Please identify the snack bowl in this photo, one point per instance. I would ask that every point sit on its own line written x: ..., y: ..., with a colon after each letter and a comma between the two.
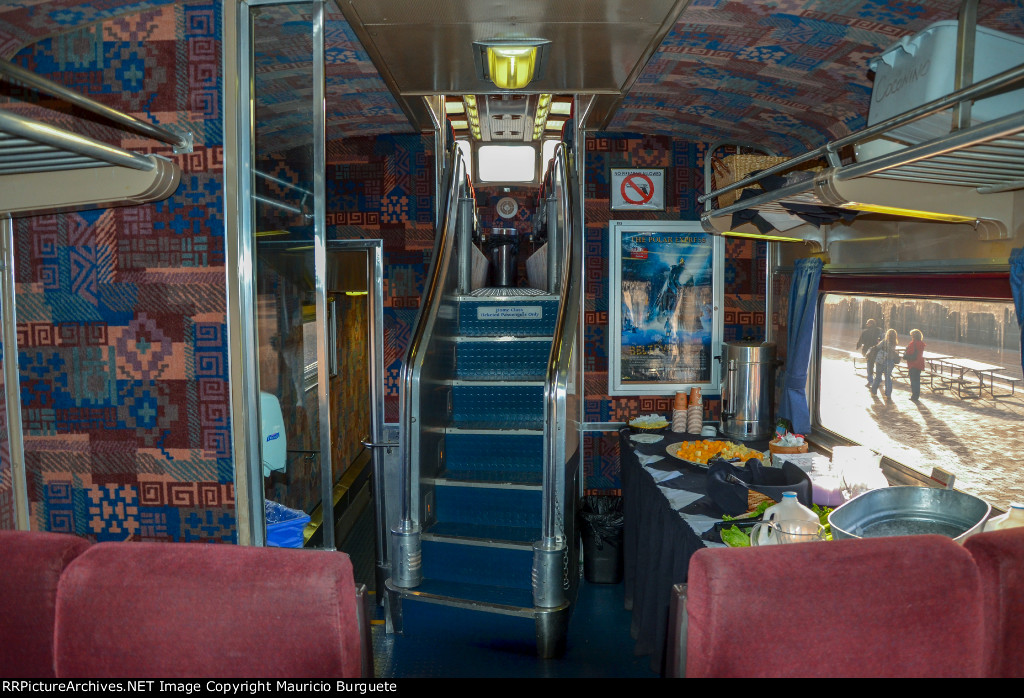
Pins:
x: 649, y: 424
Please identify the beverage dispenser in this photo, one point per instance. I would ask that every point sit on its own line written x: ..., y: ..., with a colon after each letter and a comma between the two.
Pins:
x: 748, y: 378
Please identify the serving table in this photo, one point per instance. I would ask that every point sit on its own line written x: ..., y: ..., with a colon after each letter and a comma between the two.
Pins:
x: 667, y: 518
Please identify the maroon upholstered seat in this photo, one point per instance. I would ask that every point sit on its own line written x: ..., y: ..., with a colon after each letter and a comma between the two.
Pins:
x: 32, y: 565
x: 901, y: 606
x: 194, y: 610
x: 999, y: 556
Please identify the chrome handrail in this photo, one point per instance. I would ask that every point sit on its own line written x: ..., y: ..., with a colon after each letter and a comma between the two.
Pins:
x: 182, y: 143
x: 405, y: 560
x: 563, y: 348
x: 1014, y: 77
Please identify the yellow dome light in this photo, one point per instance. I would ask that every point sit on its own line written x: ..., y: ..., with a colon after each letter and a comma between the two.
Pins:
x: 511, y: 64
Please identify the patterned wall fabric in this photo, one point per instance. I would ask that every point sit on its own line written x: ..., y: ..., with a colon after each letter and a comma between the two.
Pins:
x: 383, y: 188
x: 788, y: 75
x: 358, y: 101
x: 745, y: 266
x: 121, y: 312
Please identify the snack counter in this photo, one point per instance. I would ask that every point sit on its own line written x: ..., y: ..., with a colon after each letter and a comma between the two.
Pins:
x: 668, y: 517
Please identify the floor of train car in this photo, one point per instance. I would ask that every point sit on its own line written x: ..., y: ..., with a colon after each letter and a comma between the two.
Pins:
x: 598, y: 644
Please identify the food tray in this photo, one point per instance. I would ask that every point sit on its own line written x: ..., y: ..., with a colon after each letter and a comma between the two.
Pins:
x: 673, y: 448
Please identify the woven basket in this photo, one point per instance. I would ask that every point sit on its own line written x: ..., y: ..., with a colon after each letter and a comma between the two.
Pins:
x: 775, y: 448
x: 733, y: 168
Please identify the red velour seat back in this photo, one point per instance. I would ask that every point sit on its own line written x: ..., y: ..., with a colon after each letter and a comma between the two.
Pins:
x: 182, y: 610
x: 32, y: 565
x: 901, y: 606
x: 1000, y: 559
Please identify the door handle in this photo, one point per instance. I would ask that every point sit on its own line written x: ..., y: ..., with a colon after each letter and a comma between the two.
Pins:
x: 372, y: 444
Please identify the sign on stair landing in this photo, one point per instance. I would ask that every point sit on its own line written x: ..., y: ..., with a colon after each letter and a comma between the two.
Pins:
x: 509, y: 312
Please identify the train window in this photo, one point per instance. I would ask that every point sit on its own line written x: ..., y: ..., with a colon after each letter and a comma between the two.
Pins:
x: 967, y: 417
x: 507, y: 163
x: 548, y: 150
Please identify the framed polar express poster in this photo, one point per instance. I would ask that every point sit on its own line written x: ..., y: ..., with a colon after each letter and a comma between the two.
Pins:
x: 665, y: 307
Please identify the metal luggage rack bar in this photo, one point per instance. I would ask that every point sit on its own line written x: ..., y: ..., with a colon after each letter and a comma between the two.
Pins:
x: 988, y: 156
x: 27, y: 145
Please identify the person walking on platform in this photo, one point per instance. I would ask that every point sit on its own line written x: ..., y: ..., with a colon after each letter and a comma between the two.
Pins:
x: 914, y: 356
x: 886, y: 359
x: 871, y: 335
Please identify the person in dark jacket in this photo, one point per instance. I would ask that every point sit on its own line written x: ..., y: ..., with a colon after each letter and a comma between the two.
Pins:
x: 869, y: 338
x: 914, y: 356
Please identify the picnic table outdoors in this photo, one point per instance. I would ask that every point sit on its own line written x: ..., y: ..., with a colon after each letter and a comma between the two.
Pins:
x: 958, y: 368
x: 947, y: 372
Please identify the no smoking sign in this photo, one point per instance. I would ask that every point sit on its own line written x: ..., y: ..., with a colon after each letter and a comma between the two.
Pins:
x: 638, y: 189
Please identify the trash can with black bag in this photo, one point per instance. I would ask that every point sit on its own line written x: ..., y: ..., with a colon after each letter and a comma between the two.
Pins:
x: 601, y: 526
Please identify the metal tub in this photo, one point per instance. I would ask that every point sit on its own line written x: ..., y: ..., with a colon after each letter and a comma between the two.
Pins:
x: 902, y: 511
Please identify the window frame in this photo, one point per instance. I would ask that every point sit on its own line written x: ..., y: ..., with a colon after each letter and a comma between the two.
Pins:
x: 986, y: 286
x: 478, y: 170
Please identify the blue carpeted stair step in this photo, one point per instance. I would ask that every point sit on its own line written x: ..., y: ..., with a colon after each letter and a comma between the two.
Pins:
x: 508, y: 405
x: 494, y: 505
x: 494, y: 456
x: 519, y: 317
x: 498, y: 617
x: 476, y: 563
x: 504, y: 358
x: 509, y: 597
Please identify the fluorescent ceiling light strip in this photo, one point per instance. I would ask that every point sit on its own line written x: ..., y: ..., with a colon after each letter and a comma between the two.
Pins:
x: 759, y: 236
x: 910, y: 213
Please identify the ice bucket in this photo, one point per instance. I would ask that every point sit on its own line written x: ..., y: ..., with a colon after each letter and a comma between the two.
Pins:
x: 902, y: 511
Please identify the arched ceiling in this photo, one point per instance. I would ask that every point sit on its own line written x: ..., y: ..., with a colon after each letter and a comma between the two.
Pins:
x: 788, y: 74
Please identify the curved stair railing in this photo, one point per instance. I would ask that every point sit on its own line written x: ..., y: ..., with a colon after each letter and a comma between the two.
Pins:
x: 552, y: 553
x: 418, y: 400
x: 510, y: 547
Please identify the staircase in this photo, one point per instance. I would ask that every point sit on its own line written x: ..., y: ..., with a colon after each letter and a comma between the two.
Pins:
x: 481, y: 500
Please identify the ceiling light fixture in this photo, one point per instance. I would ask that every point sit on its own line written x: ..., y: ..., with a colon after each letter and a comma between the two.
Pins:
x: 472, y: 115
x: 511, y: 64
x: 543, y: 107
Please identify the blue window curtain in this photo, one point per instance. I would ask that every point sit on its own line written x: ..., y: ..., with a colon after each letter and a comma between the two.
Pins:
x: 803, y: 300
x: 1017, y: 285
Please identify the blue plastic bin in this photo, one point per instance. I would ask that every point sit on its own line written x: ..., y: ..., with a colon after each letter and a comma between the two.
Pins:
x: 284, y: 525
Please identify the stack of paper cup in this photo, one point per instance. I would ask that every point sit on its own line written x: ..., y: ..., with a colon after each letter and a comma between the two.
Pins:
x: 679, y: 412
x: 682, y: 400
x: 679, y: 420
x: 695, y: 412
x: 694, y: 418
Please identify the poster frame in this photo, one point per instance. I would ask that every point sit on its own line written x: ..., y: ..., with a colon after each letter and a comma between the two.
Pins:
x: 667, y: 238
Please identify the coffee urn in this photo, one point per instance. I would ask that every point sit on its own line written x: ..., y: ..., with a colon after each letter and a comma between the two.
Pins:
x: 748, y: 378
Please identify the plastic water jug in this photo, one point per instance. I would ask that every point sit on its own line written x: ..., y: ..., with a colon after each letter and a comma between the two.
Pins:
x: 1011, y: 519
x: 789, y: 509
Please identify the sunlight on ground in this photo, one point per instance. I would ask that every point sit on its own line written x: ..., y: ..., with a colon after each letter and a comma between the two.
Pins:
x: 981, y: 441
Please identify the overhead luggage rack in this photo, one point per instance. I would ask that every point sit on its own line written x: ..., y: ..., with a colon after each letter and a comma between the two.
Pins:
x: 44, y: 168
x: 967, y: 175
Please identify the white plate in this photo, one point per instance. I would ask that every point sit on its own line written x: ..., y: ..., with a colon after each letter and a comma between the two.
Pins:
x: 647, y: 438
x: 671, y: 450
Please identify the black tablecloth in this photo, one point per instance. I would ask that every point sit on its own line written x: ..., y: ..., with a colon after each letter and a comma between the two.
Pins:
x: 658, y: 542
